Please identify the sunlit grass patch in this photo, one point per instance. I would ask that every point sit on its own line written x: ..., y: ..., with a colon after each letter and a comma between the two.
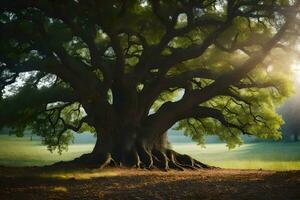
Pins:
x: 268, y: 156
x: 258, y: 164
x: 59, y: 189
x: 16, y: 151
x: 79, y: 174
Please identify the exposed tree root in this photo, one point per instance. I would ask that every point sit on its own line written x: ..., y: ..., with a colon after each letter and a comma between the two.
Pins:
x: 89, y: 160
x: 142, y: 158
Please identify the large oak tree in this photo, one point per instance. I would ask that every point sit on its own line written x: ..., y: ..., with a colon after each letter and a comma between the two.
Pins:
x: 129, y: 70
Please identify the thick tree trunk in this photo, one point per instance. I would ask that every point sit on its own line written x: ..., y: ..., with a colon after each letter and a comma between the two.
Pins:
x: 131, y: 150
x: 123, y: 140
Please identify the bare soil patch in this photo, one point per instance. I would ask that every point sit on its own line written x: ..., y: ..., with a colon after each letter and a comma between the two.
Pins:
x: 38, y: 183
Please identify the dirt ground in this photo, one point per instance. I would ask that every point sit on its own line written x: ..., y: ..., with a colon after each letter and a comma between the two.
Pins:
x: 34, y: 183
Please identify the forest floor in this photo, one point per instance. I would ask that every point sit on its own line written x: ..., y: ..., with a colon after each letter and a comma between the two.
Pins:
x: 40, y: 183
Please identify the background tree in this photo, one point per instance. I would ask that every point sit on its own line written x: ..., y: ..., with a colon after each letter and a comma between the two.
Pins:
x: 129, y: 70
x: 291, y: 115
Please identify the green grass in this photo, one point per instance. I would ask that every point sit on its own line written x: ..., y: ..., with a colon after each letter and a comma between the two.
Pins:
x: 23, y: 152
x: 269, y: 156
x: 272, y: 156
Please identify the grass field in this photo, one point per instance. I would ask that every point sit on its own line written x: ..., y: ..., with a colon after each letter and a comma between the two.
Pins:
x: 269, y: 156
x: 273, y: 156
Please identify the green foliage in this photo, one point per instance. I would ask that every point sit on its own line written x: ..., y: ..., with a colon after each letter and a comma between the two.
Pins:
x: 84, y: 39
x: 252, y: 109
x: 172, y: 95
x: 51, y: 125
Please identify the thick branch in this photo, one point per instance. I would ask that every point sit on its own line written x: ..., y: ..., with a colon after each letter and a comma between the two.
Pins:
x: 205, y: 112
x: 33, y: 98
x: 169, y: 112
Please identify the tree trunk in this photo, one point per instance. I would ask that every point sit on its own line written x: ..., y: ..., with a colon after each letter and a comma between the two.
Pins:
x: 131, y: 149
x: 124, y: 139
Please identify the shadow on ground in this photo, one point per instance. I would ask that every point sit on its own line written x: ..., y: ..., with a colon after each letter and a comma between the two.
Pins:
x: 142, y: 184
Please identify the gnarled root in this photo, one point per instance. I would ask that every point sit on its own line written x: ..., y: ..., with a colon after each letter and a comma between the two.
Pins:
x: 183, y: 161
x: 141, y: 158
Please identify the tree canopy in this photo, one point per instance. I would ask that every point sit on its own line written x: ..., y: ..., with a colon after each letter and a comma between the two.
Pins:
x: 134, y: 68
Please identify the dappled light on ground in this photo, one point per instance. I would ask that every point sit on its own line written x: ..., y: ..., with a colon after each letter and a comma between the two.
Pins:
x: 79, y: 175
x: 59, y: 189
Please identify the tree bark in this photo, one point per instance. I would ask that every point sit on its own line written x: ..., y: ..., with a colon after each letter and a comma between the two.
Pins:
x: 131, y: 148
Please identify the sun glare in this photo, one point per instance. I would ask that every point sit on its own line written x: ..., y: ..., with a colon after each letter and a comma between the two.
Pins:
x: 296, y: 70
